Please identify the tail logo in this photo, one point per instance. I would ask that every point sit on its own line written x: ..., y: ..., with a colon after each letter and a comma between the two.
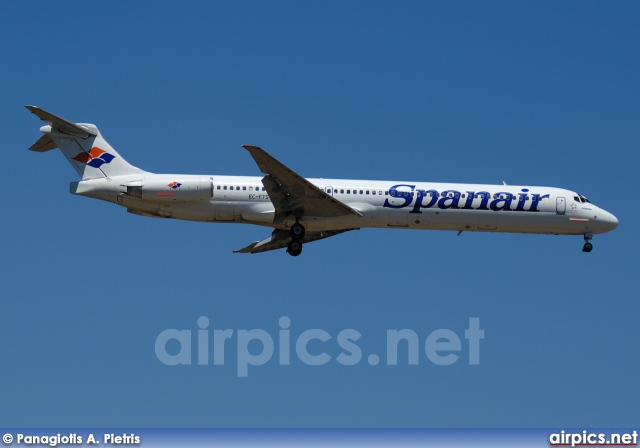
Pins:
x: 96, y: 157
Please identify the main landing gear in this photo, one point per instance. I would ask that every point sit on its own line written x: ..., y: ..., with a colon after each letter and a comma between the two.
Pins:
x: 296, y: 232
x: 587, y: 245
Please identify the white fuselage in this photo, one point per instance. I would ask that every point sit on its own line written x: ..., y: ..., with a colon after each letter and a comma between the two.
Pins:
x: 414, y: 205
x: 305, y: 210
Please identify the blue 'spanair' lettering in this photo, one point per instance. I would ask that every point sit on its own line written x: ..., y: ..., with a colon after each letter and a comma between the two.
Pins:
x: 502, y: 201
x: 394, y: 193
x: 421, y: 194
x: 450, y: 199
x: 469, y: 201
x: 522, y: 199
x: 484, y: 195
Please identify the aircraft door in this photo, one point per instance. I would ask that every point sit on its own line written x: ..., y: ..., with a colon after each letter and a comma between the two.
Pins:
x: 561, y: 206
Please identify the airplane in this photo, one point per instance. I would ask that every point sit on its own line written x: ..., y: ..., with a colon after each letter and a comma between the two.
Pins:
x: 303, y: 210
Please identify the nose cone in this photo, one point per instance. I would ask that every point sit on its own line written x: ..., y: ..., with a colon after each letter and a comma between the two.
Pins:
x: 609, y: 220
x: 614, y: 222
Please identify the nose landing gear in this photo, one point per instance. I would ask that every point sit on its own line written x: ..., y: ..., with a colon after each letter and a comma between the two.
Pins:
x: 296, y: 232
x: 587, y: 245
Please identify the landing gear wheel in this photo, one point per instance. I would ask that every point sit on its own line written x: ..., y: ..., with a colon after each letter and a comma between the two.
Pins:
x: 297, y: 231
x: 587, y: 245
x: 294, y: 248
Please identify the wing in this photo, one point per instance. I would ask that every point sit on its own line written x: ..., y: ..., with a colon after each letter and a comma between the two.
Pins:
x: 280, y: 239
x: 291, y: 194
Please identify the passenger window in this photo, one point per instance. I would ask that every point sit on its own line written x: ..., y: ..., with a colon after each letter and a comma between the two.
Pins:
x: 373, y: 192
x: 341, y: 191
x: 218, y: 187
x: 224, y: 188
x: 262, y: 188
x: 386, y: 193
x: 380, y: 192
x: 348, y: 191
x: 244, y: 188
x: 360, y: 191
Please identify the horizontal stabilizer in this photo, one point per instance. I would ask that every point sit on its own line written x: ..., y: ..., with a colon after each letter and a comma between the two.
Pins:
x: 60, y: 124
x: 45, y: 143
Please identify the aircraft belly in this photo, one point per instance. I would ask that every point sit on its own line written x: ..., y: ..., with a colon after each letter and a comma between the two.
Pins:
x: 398, y: 219
x: 333, y: 223
x: 200, y: 211
x: 224, y: 212
x: 487, y: 221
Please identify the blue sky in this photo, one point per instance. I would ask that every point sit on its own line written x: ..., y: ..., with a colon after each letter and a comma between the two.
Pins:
x: 537, y: 93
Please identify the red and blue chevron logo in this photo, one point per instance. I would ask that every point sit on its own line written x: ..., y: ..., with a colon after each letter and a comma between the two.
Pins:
x: 96, y: 157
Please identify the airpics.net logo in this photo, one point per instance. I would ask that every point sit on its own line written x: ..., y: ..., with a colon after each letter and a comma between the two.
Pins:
x: 256, y: 347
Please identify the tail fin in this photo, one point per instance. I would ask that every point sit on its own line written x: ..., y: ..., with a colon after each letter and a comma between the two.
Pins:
x: 83, y: 146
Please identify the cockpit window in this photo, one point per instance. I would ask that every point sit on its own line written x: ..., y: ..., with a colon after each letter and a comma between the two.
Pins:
x: 576, y: 198
x: 584, y: 199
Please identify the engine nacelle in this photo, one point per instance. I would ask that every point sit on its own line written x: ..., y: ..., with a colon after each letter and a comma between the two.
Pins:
x: 172, y: 189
